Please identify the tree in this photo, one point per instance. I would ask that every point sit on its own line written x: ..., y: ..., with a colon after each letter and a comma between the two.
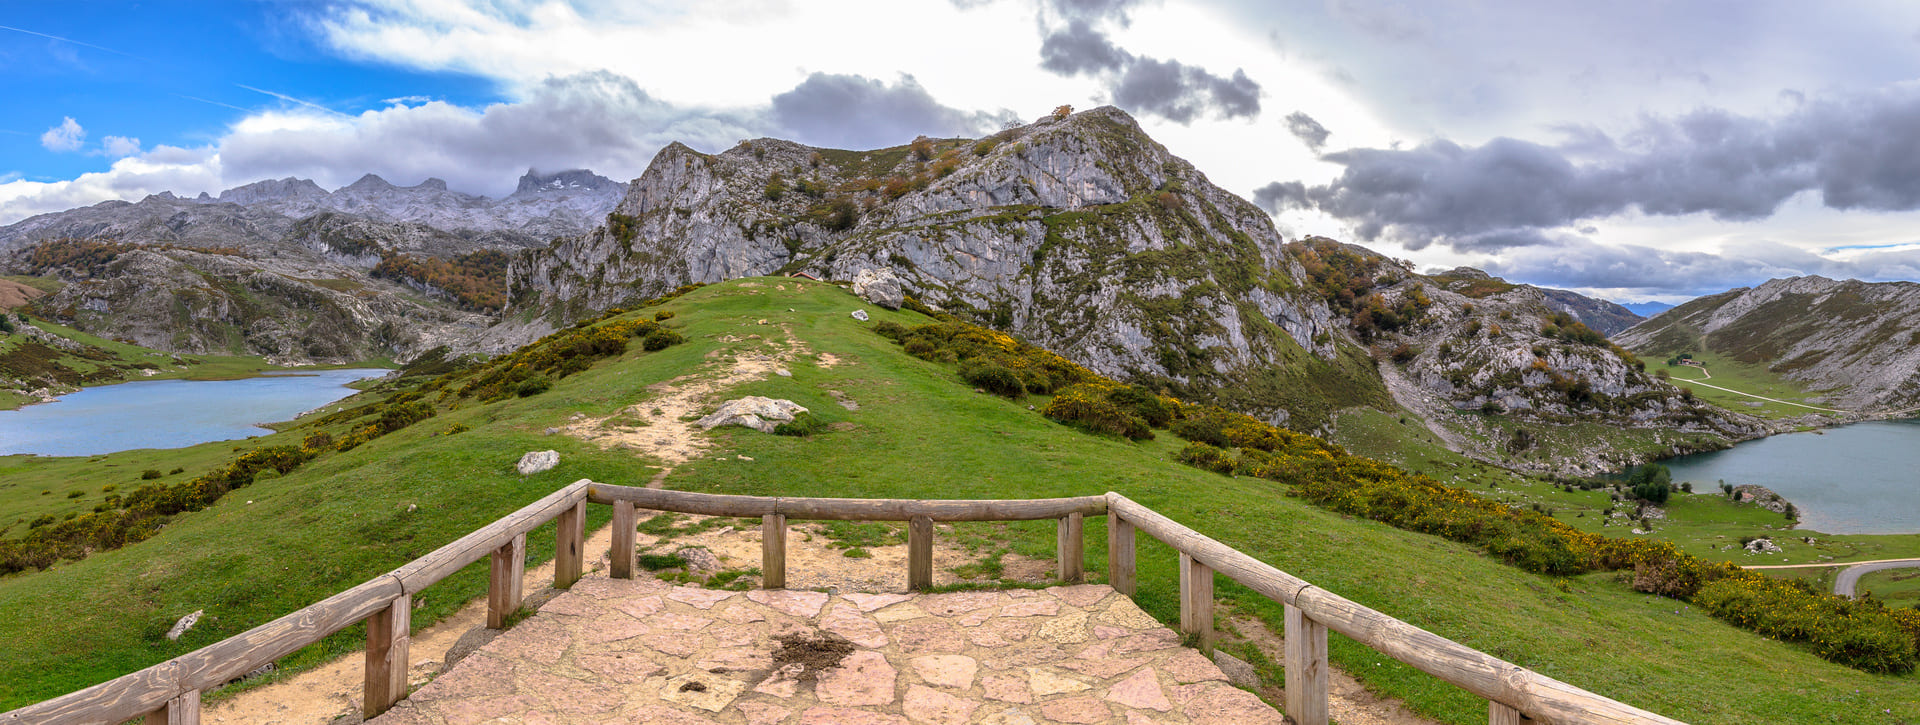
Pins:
x: 1061, y: 112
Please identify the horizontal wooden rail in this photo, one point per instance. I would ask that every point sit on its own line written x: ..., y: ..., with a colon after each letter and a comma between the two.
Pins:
x: 1532, y: 694
x: 847, y: 509
x: 444, y: 561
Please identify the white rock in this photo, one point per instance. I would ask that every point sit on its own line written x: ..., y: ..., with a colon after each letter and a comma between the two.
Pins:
x: 185, y: 623
x: 860, y: 315
x: 880, y: 287
x: 753, y: 411
x: 536, y: 461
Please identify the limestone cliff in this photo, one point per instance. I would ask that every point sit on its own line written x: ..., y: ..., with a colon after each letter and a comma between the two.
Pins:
x: 1080, y: 233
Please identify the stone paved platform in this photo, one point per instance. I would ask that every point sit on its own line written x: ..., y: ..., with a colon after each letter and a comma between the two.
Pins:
x: 640, y: 651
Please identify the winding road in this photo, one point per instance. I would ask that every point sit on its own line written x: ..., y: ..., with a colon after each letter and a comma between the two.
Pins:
x: 1843, y: 585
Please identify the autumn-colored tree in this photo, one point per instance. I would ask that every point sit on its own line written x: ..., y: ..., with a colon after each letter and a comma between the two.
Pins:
x: 1061, y: 112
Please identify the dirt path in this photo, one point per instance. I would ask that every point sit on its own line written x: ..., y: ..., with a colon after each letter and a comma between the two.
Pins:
x: 662, y: 427
x: 1709, y: 376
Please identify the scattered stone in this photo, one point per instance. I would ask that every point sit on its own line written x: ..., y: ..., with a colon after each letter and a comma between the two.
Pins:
x: 783, y: 372
x: 753, y: 411
x: 881, y: 287
x: 1762, y: 546
x: 860, y: 315
x: 473, y: 640
x: 551, y: 431
x: 185, y: 623
x: 536, y: 461
x: 698, y: 558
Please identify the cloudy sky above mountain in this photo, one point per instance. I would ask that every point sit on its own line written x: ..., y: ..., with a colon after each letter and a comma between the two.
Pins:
x: 1636, y: 150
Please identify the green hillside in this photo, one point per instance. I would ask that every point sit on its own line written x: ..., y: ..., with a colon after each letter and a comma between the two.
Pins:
x: 288, y: 540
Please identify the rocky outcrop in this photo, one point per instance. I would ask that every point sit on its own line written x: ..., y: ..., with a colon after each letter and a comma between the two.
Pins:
x: 880, y: 288
x: 753, y: 411
x: 1082, y: 235
x: 1856, y: 343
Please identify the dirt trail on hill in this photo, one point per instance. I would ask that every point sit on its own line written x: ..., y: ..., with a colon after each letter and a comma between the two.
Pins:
x: 662, y: 427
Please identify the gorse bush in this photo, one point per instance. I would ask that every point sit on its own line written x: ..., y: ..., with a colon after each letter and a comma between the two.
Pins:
x: 1863, y: 634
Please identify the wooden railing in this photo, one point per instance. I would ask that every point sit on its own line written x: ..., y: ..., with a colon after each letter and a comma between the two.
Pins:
x: 169, y: 692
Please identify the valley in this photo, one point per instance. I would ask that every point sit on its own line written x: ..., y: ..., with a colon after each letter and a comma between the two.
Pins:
x: 598, y: 320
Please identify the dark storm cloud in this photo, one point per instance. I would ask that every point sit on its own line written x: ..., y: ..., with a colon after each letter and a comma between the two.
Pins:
x: 1858, y: 153
x: 1094, y: 9
x: 1280, y: 196
x: 850, y: 111
x: 1309, y: 131
x: 1081, y: 49
x: 1165, y: 88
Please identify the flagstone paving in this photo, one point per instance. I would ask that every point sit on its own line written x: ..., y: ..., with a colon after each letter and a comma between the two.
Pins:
x: 641, y: 651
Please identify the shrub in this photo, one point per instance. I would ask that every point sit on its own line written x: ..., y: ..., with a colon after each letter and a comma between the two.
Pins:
x: 1153, y: 409
x: 663, y: 315
x: 456, y: 429
x: 317, y: 441
x: 150, y: 474
x: 993, y: 378
x: 1086, y: 406
x: 803, y: 424
x: 656, y: 562
x: 533, y: 386
x: 1206, y: 430
x: 660, y: 339
x: 1206, y: 457
x: 889, y: 329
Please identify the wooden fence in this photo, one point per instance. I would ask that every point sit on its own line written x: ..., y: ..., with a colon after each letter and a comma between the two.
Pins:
x: 169, y: 692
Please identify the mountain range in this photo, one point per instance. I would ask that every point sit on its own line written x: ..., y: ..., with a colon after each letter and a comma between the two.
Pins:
x: 1077, y: 232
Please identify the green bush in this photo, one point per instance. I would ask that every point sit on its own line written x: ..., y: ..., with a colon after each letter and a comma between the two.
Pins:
x: 663, y: 315
x: 1205, y: 457
x: 533, y: 386
x: 993, y: 378
x: 1856, y: 633
x: 656, y: 562
x: 889, y: 329
x: 661, y: 339
x: 1087, y: 407
x: 150, y: 474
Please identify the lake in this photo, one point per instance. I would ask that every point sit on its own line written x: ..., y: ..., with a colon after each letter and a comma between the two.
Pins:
x: 169, y: 413
x: 1856, y: 479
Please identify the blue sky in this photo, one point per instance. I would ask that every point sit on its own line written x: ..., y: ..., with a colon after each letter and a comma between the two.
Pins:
x: 1633, y: 150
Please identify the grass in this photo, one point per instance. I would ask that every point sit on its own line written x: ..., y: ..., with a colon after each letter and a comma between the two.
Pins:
x: 1898, y: 587
x: 919, y: 433
x: 1746, y: 378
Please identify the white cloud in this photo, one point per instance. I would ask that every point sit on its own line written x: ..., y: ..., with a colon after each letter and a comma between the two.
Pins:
x: 119, y: 146
x: 68, y: 136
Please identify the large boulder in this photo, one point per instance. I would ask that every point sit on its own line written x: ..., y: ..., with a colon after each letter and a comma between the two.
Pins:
x: 536, y: 461
x: 753, y: 411
x: 880, y: 287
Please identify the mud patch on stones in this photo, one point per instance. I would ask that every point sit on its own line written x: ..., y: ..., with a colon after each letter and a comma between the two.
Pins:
x: 812, y: 652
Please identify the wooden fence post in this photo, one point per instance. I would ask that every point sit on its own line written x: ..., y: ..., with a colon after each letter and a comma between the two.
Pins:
x: 1120, y: 573
x: 570, y: 533
x: 620, y: 554
x: 388, y: 634
x: 1196, y: 600
x: 1070, y: 548
x: 920, y: 553
x: 1306, y: 665
x: 507, y: 567
x: 1498, y: 714
x: 182, y: 710
x: 773, y: 551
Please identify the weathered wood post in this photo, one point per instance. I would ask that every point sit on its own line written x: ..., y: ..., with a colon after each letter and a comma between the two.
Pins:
x: 773, y: 551
x: 1120, y: 573
x: 506, y: 567
x: 620, y: 554
x: 1070, y: 548
x: 182, y: 710
x: 388, y: 634
x: 571, y: 533
x: 1498, y: 714
x: 920, y: 553
x: 1306, y: 664
x: 1196, y: 600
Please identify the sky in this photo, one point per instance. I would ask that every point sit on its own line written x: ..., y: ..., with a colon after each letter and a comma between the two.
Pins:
x: 1635, y: 150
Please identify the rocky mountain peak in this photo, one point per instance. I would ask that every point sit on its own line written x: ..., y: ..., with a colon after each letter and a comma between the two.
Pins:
x: 571, y: 180
x: 272, y: 190
x: 432, y: 183
x: 370, y: 182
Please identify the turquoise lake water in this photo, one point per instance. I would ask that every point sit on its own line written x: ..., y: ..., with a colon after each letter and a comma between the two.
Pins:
x: 1856, y: 479
x: 168, y: 413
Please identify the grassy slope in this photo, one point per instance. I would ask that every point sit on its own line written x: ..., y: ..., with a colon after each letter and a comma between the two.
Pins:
x: 1746, y: 378
x: 919, y: 433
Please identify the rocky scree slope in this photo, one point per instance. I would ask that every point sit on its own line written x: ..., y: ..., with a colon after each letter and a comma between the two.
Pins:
x: 1079, y: 233
x: 1856, y: 343
x: 1490, y: 366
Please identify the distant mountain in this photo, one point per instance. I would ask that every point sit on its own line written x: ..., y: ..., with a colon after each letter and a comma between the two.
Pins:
x: 1646, y: 309
x: 1857, y: 343
x: 543, y: 206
